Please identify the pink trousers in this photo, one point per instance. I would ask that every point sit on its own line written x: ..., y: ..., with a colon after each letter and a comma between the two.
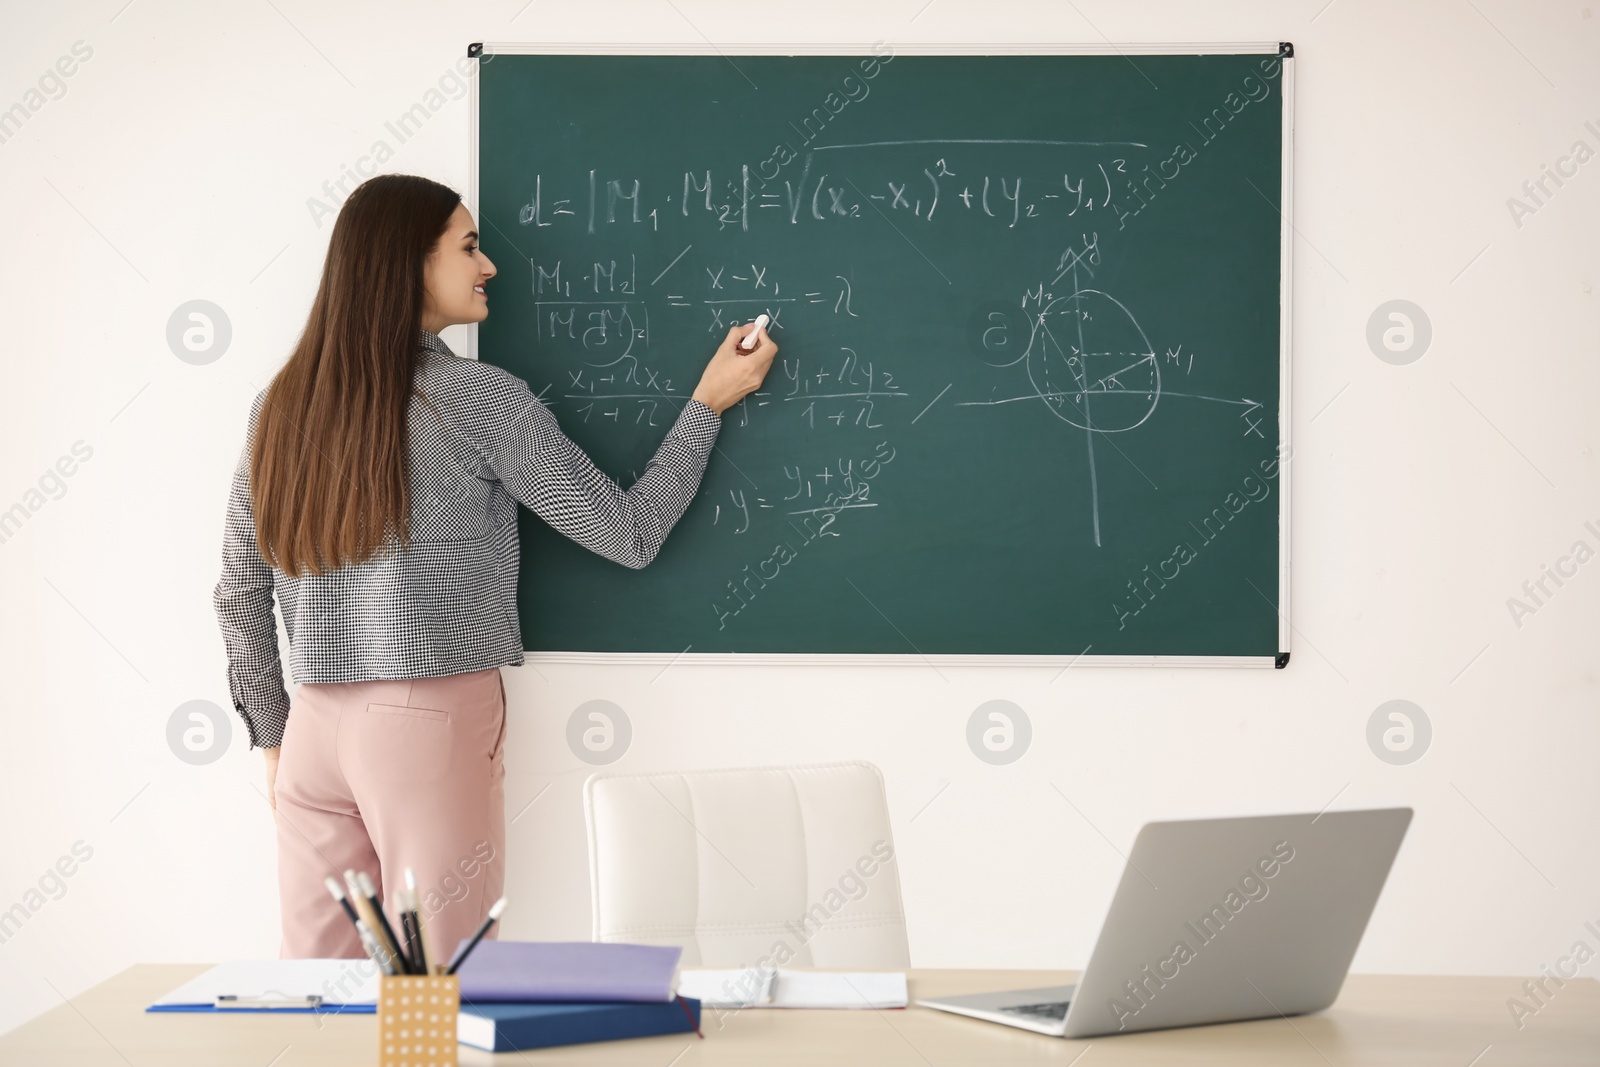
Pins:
x: 381, y: 776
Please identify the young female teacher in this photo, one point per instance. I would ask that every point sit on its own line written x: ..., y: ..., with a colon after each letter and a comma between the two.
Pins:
x: 376, y: 497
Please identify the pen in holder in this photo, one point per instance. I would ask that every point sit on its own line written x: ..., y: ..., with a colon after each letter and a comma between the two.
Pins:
x: 417, y: 1020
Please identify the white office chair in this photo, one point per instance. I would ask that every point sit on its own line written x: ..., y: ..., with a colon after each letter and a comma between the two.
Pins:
x: 792, y: 866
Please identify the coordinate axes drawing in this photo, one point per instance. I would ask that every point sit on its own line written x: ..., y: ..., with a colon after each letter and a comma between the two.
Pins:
x: 1121, y: 368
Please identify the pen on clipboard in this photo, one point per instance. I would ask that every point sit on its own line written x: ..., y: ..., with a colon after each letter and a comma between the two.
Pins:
x: 227, y: 1001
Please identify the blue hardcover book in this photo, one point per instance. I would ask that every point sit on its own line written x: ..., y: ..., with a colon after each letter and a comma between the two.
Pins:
x: 514, y: 1027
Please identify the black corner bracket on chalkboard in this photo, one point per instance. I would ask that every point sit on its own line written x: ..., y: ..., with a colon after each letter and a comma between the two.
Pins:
x: 475, y: 50
x: 1281, y: 662
x: 1285, y: 49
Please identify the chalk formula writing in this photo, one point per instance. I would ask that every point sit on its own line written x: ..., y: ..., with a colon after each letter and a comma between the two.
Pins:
x: 808, y: 521
x: 828, y: 190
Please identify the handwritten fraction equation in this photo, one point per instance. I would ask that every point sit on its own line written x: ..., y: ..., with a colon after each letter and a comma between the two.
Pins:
x: 921, y: 190
x: 811, y: 496
x: 842, y: 393
x: 836, y: 394
x: 609, y: 312
x: 804, y: 518
x: 623, y: 390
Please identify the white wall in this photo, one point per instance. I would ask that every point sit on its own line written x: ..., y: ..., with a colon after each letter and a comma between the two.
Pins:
x: 178, y: 166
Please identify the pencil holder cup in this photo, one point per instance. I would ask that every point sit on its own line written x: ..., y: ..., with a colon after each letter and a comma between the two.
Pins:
x: 417, y: 1020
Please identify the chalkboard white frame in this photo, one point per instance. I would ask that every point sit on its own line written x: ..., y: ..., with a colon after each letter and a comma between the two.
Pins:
x: 1285, y: 336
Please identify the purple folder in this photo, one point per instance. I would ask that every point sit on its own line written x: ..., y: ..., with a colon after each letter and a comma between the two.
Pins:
x: 569, y: 971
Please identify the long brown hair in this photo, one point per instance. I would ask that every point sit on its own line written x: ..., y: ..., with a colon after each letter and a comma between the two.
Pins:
x: 330, y: 470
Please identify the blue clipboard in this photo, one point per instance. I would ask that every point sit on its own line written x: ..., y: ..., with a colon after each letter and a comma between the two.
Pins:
x: 296, y: 987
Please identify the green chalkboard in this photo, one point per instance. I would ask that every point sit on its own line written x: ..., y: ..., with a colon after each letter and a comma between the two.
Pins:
x: 1030, y: 310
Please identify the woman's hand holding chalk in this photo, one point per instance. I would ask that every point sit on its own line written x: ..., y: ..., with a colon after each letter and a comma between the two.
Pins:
x: 734, y: 371
x: 749, y: 342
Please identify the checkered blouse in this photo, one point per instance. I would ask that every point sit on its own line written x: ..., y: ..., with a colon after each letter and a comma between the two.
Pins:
x: 481, y: 442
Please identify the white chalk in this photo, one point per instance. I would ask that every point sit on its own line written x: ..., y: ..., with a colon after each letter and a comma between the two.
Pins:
x: 755, y: 327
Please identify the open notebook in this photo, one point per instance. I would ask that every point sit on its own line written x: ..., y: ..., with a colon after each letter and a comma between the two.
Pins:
x: 783, y: 988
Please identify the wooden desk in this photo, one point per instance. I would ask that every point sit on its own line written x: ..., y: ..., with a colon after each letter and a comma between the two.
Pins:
x: 1378, y: 1020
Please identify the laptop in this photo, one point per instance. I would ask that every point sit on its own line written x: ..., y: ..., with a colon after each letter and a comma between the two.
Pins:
x: 1218, y: 920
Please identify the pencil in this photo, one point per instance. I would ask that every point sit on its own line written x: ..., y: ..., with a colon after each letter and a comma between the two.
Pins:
x: 368, y: 943
x: 413, y: 918
x: 338, y: 894
x: 370, y: 918
x: 461, y: 955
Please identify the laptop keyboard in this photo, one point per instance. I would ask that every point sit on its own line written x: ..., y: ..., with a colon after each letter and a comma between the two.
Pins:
x: 1056, y: 1010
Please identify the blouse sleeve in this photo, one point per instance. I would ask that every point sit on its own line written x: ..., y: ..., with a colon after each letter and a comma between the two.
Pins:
x: 523, y: 444
x: 243, y: 602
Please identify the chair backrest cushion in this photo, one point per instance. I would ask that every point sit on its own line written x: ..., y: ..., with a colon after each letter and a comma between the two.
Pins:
x: 792, y: 866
